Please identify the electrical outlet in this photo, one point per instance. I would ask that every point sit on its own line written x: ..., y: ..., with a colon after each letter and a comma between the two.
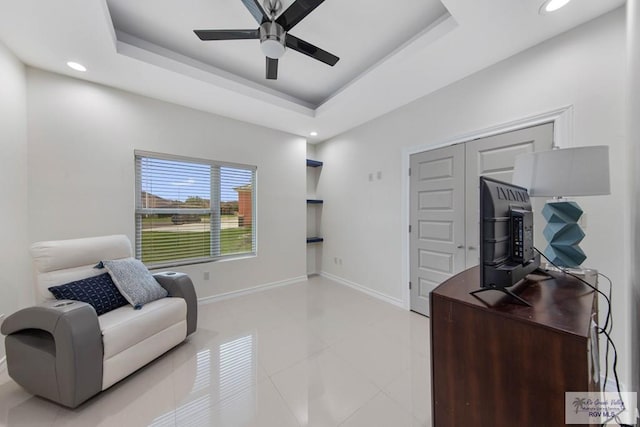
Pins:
x: 379, y: 175
x: 206, y: 275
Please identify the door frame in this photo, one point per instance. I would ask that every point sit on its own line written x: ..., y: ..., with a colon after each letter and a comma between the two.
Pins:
x: 562, y: 119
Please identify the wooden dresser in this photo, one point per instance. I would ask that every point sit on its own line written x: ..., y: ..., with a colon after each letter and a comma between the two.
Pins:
x: 498, y: 363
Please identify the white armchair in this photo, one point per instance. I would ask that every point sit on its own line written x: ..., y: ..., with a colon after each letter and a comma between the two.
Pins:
x: 63, y: 351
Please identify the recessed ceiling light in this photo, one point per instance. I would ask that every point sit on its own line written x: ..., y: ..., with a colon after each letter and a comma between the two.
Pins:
x: 314, y: 133
x: 552, y: 5
x: 76, y: 66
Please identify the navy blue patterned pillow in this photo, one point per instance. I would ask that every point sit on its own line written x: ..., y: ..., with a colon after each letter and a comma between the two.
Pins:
x: 99, y: 291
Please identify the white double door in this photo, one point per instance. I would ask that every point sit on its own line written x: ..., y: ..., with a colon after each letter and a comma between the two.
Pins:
x: 444, y: 203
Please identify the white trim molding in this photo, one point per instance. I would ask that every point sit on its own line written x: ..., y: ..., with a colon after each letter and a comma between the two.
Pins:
x: 562, y: 119
x: 252, y: 290
x: 364, y: 289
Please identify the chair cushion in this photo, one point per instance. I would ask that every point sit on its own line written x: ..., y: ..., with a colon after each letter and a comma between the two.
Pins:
x: 99, y: 291
x: 62, y: 261
x: 125, y: 327
x: 134, y: 281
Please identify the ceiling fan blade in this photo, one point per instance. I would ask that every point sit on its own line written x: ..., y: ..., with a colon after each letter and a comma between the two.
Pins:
x: 272, y: 68
x: 297, y: 12
x: 256, y: 10
x: 313, y: 51
x: 227, y: 34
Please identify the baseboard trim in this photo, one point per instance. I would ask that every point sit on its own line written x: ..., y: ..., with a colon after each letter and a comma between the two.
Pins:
x: 379, y: 295
x: 248, y: 291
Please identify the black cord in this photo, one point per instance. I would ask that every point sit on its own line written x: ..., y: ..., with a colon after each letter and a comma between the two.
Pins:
x: 583, y: 281
x: 608, y: 324
x: 610, y: 317
x: 610, y: 313
x: 615, y: 374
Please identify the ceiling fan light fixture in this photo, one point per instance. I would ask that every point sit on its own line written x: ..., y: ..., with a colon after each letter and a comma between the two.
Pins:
x: 272, y: 49
x: 552, y: 5
x: 272, y: 40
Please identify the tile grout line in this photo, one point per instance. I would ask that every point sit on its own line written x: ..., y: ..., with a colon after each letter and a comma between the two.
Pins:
x: 284, y: 400
x: 341, y: 423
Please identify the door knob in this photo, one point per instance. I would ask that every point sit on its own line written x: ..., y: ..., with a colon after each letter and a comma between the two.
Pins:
x: 460, y: 246
x: 471, y: 248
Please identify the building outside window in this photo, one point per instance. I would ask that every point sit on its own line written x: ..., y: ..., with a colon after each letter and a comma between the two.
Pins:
x: 193, y: 210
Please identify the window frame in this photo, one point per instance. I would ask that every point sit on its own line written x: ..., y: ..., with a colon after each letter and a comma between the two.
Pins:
x: 213, y: 210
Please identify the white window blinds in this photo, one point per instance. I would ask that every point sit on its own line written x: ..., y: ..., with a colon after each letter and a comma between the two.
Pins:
x: 193, y: 210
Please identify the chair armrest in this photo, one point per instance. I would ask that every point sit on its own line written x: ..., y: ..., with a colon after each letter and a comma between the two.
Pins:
x: 74, y: 334
x: 47, y: 316
x: 180, y: 285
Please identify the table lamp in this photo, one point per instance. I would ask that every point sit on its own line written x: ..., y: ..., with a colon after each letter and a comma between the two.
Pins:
x: 580, y: 171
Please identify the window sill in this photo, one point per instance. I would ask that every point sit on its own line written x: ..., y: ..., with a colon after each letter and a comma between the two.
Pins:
x: 169, y: 264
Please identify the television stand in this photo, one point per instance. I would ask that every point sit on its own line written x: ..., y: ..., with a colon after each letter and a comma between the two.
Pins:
x: 502, y: 289
x: 505, y: 365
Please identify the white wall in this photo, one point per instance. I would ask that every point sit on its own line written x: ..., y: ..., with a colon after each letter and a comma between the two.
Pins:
x: 14, y: 264
x: 82, y: 138
x: 633, y: 126
x: 362, y: 219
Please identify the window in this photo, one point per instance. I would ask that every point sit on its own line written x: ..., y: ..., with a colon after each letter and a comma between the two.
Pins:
x: 193, y: 210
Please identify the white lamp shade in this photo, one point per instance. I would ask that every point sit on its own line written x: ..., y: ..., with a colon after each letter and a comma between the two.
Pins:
x: 580, y: 171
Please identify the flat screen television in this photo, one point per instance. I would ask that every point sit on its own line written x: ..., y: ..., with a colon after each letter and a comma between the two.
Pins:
x: 506, y: 236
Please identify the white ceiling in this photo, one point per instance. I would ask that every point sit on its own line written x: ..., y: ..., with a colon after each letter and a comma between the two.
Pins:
x: 391, y: 53
x: 348, y: 32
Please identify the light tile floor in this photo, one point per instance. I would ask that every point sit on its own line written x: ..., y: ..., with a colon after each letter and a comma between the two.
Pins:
x: 315, y: 353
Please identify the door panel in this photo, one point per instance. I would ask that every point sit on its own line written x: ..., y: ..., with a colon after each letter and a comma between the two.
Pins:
x: 494, y: 157
x: 436, y: 230
x: 444, y: 203
x: 437, y: 220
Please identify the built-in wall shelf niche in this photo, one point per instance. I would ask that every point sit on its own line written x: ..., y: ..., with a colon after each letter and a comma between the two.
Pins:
x: 314, y: 204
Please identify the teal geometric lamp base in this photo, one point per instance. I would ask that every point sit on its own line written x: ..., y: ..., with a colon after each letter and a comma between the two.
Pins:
x: 572, y: 172
x: 563, y: 233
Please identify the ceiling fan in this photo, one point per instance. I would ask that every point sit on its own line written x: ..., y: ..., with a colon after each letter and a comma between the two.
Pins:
x: 273, y: 33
